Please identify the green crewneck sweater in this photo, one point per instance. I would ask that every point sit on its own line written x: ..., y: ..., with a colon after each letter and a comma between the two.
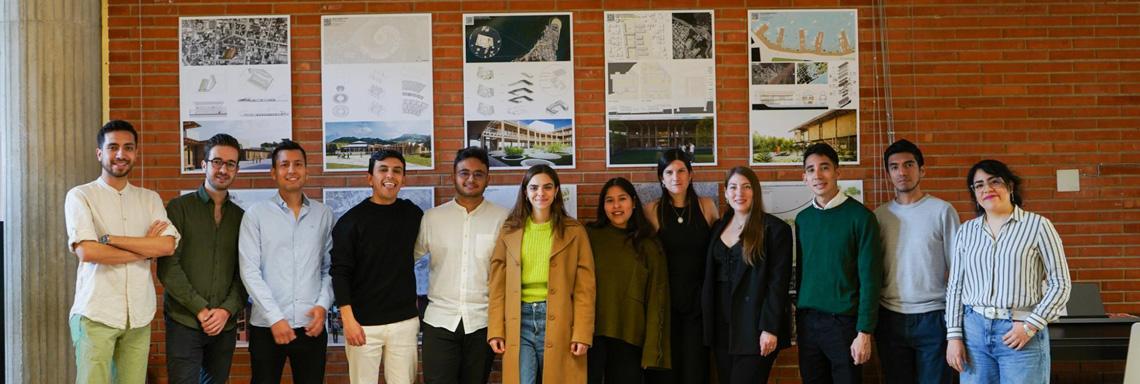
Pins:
x: 536, y: 243
x: 840, y: 262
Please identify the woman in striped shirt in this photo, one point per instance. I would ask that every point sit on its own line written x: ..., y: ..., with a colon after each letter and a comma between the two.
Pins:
x: 1008, y: 280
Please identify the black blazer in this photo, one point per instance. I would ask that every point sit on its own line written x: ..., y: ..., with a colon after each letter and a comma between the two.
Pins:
x: 760, y: 294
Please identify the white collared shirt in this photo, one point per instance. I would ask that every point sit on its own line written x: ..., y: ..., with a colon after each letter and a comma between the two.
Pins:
x: 460, y: 244
x: 120, y: 296
x: 835, y: 201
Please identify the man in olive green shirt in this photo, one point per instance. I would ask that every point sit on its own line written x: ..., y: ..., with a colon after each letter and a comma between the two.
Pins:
x: 203, y: 291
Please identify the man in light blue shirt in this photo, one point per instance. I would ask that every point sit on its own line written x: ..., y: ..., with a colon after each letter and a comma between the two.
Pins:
x: 284, y: 260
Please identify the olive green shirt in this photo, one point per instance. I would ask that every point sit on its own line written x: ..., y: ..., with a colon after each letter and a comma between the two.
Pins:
x: 203, y: 271
x: 632, y: 294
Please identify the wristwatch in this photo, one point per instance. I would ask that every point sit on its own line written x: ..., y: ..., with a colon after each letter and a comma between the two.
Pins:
x: 1029, y: 331
x: 104, y: 239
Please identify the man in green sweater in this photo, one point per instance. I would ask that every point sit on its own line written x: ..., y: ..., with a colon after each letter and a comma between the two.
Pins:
x: 203, y: 292
x: 839, y: 272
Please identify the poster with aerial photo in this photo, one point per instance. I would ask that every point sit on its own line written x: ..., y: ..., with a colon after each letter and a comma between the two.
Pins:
x: 376, y: 93
x: 803, y: 88
x: 506, y: 195
x: 660, y: 86
x: 518, y: 88
x: 234, y: 78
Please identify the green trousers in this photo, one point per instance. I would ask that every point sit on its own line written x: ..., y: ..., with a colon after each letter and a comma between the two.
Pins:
x: 109, y: 355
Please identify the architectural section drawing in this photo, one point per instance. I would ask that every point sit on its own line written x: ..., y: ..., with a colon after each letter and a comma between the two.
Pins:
x: 519, y: 77
x: 660, y: 85
x: 233, y: 75
x: 376, y: 88
x: 803, y: 83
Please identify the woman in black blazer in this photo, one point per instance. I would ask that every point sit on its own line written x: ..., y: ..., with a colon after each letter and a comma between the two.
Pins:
x: 744, y: 299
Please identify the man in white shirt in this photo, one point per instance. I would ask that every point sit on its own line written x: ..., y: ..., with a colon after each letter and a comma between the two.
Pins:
x: 115, y: 229
x: 918, y: 232
x: 460, y: 236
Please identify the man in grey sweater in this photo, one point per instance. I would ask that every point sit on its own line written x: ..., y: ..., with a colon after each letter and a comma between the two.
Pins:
x: 917, y: 232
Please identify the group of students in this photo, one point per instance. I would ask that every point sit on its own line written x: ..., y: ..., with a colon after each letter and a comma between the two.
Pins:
x: 647, y: 292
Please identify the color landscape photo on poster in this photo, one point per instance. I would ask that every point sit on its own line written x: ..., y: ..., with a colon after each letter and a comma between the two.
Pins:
x: 660, y: 86
x: 518, y: 88
x: 803, y: 84
x: 376, y: 89
x: 234, y: 78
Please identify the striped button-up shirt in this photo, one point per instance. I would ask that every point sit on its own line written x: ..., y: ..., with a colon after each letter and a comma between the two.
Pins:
x: 1022, y: 267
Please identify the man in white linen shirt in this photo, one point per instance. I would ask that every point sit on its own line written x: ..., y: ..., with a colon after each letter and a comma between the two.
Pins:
x: 115, y: 229
x: 460, y: 236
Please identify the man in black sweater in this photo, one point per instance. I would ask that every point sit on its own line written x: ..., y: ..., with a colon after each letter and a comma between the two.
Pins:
x: 373, y: 279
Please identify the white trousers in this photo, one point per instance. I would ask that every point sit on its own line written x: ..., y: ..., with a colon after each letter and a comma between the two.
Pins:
x: 392, y: 344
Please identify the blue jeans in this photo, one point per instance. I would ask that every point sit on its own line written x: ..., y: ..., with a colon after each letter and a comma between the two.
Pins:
x: 991, y: 361
x: 531, y: 343
x: 912, y: 347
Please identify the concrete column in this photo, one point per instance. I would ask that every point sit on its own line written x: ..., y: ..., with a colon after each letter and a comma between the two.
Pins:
x: 50, y: 111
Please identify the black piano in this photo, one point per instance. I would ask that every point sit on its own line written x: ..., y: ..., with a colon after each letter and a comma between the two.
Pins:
x: 1087, y: 333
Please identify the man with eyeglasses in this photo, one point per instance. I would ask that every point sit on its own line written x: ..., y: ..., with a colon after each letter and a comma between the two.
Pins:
x: 202, y: 290
x: 115, y: 229
x: 460, y: 236
x: 373, y: 278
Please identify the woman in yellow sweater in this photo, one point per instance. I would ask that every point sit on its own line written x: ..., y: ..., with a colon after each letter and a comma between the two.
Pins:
x: 541, y: 310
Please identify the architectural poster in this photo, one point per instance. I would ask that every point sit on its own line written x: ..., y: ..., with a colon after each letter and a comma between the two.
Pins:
x: 505, y: 196
x: 518, y: 88
x: 376, y: 89
x: 803, y: 84
x: 234, y: 78
x: 785, y: 199
x: 660, y: 86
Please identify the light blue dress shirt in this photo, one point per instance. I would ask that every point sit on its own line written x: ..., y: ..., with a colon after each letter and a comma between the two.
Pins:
x: 284, y: 260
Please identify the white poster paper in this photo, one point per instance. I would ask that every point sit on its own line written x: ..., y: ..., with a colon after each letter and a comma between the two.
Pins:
x: 376, y: 89
x: 660, y: 86
x: 803, y: 84
x: 234, y: 78
x: 518, y: 88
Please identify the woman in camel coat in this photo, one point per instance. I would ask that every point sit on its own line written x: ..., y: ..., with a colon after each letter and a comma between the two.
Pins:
x: 557, y: 315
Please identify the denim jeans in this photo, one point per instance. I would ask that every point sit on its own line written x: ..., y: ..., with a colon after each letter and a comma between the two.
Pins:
x: 912, y: 347
x: 532, y: 342
x: 991, y: 361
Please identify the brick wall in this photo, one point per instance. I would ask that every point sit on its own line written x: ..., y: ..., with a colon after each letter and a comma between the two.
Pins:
x: 1041, y: 85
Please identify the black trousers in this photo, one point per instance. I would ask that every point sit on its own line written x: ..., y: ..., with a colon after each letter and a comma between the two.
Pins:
x: 825, y: 348
x: 613, y: 361
x: 306, y: 357
x: 690, y: 356
x: 192, y: 357
x: 743, y: 369
x: 455, y: 357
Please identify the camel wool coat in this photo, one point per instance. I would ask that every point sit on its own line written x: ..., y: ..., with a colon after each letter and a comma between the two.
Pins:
x: 569, y: 303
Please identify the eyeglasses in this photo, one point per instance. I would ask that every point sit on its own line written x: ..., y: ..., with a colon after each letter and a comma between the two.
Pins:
x: 218, y: 163
x: 993, y: 182
x: 468, y: 174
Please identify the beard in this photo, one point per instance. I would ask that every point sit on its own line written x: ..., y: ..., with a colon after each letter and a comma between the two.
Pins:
x: 463, y: 192
x: 110, y: 168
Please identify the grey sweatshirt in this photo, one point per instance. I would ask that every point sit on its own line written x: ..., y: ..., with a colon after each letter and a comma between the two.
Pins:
x: 917, y: 244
